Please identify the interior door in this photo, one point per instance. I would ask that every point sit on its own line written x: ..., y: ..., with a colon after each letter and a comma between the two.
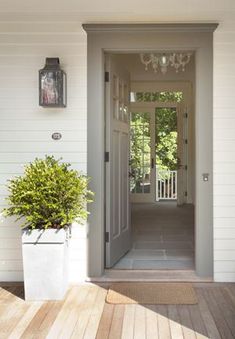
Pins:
x: 182, y: 153
x: 142, y: 155
x: 118, y: 231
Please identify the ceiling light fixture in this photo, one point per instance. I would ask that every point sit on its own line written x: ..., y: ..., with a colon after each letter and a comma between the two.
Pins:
x: 163, y: 60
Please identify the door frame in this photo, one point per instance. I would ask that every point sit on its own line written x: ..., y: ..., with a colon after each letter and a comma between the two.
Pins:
x: 135, y: 38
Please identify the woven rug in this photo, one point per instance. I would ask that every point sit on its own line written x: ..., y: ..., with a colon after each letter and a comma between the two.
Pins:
x: 152, y: 293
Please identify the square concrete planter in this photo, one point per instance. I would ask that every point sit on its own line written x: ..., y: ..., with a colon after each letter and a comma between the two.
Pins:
x: 45, y: 263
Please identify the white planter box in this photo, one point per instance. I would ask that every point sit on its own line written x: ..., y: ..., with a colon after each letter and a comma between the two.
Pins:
x: 45, y: 262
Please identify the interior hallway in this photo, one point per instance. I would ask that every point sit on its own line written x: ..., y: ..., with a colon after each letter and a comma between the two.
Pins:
x: 163, y: 237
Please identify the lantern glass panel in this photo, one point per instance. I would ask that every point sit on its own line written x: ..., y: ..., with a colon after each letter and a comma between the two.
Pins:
x: 52, y: 88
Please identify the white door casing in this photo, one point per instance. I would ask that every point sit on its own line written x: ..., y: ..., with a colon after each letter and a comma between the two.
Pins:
x: 118, y: 231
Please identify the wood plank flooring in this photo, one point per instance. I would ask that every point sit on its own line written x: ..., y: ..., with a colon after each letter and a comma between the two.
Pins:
x: 84, y: 314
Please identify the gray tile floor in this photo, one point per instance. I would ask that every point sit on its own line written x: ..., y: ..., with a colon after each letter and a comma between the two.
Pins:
x: 163, y: 237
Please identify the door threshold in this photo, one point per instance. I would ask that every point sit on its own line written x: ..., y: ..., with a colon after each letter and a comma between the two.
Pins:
x: 111, y: 275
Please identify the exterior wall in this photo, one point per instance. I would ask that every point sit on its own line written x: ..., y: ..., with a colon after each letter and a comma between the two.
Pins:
x: 224, y: 155
x: 25, y: 129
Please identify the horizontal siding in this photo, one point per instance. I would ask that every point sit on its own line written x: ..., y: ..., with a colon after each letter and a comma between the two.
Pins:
x: 224, y: 155
x: 224, y: 244
x: 223, y: 222
x: 26, y: 129
x: 224, y: 276
x: 225, y: 266
x: 224, y: 255
x: 224, y: 233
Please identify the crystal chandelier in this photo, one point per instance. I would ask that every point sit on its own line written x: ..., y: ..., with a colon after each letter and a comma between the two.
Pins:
x: 163, y: 60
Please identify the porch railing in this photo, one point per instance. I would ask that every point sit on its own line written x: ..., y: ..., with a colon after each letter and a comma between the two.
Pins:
x: 166, y: 182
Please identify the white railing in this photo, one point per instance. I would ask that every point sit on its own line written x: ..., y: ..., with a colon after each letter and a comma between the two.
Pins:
x: 166, y: 182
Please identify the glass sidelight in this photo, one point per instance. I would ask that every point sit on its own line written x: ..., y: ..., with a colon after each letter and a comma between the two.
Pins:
x: 142, y: 161
x: 167, y: 160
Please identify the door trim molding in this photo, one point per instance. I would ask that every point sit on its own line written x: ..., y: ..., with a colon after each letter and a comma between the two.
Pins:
x: 185, y: 27
x: 112, y: 38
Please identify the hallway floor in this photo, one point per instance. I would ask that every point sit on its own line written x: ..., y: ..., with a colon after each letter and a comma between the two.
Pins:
x: 163, y: 238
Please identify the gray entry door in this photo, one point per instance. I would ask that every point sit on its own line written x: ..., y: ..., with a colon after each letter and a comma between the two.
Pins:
x: 118, y: 232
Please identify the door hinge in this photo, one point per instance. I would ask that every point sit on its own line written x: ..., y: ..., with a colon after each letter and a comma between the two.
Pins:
x: 106, y: 236
x: 186, y: 115
x: 185, y: 167
x: 106, y: 156
x: 186, y: 141
x: 186, y: 194
x: 106, y: 76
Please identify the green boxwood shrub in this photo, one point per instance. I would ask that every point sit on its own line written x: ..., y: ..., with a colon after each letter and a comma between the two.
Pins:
x: 48, y: 195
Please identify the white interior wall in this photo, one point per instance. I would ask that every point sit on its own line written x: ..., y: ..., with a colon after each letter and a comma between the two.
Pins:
x: 28, y: 35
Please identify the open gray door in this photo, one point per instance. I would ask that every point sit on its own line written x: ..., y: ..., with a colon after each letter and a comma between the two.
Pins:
x: 118, y: 232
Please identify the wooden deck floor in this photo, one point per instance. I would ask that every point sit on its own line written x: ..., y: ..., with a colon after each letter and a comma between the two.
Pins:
x: 84, y: 314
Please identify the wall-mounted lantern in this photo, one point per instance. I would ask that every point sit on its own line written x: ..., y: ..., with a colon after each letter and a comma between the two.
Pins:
x: 52, y: 84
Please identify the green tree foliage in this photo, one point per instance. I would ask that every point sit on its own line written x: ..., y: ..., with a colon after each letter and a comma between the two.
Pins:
x: 159, y: 96
x: 140, y: 148
x: 165, y: 138
x: 48, y: 195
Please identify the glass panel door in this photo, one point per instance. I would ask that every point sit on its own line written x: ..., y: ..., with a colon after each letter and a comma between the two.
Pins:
x: 166, y: 153
x: 142, y: 161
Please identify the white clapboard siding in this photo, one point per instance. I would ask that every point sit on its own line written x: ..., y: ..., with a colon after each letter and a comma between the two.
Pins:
x: 27, y: 157
x: 12, y: 244
x: 224, y: 155
x: 224, y: 244
x: 224, y: 212
x: 223, y: 276
x: 26, y: 129
x: 28, y: 136
x: 225, y: 167
x: 224, y: 222
x: 224, y: 255
x: 44, y: 124
x: 19, y: 168
x: 224, y: 233
x: 224, y: 179
x: 224, y: 200
x: 71, y: 27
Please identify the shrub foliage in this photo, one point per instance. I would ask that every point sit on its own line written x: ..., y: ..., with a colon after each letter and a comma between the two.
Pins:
x: 48, y: 195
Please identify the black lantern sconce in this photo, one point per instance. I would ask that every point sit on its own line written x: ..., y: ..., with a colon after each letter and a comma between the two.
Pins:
x: 52, y: 84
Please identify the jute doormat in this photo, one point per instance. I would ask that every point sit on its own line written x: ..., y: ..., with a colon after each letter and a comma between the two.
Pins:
x: 152, y: 293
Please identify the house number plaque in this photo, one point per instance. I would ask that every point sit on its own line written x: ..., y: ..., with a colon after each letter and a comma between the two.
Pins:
x: 56, y: 136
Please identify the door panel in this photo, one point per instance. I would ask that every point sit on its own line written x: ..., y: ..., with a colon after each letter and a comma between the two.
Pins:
x: 117, y: 169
